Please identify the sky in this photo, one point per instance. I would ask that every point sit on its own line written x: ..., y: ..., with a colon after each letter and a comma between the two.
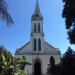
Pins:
x: 21, y: 11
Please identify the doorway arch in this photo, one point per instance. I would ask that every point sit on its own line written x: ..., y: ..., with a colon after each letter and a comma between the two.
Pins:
x: 37, y: 67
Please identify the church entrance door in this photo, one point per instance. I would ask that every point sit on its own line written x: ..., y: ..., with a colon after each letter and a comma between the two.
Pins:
x: 37, y: 68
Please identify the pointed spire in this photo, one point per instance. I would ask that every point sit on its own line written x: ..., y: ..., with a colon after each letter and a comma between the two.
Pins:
x: 37, y: 15
x: 37, y: 10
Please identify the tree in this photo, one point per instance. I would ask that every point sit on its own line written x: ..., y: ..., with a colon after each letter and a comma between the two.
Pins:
x: 1, y: 61
x: 53, y: 69
x: 68, y: 62
x: 4, y: 14
x: 20, y: 73
x: 69, y: 15
x: 21, y: 62
x: 8, y: 63
x: 66, y: 66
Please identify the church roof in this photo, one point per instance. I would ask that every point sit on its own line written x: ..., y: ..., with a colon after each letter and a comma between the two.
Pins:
x: 37, y: 14
x: 27, y: 50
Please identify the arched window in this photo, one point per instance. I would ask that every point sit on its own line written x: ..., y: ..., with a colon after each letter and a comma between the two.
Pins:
x: 39, y: 44
x: 52, y: 61
x: 34, y: 27
x: 35, y: 45
x: 38, y: 27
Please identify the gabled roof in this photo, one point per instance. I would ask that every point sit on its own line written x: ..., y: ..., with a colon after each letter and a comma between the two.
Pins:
x: 27, y: 50
x: 19, y: 49
x: 54, y: 50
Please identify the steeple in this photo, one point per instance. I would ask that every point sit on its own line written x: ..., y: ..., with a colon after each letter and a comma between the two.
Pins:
x: 37, y: 10
x: 37, y: 14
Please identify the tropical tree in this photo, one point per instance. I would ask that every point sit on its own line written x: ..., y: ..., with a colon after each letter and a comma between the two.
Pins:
x: 6, y: 61
x: 69, y: 15
x: 22, y: 62
x: 4, y: 14
x: 20, y: 73
x: 1, y: 61
x: 9, y: 63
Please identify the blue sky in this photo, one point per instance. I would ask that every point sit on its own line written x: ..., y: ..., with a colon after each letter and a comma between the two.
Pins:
x: 21, y: 12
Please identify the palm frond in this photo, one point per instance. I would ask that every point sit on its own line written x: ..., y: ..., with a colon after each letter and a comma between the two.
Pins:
x: 4, y: 14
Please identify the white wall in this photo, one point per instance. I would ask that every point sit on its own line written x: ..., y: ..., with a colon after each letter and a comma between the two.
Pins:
x: 44, y: 62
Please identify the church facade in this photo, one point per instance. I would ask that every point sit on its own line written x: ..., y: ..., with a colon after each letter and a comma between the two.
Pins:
x: 37, y: 51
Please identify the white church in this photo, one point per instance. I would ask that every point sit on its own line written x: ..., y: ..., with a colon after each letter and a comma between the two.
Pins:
x: 37, y: 51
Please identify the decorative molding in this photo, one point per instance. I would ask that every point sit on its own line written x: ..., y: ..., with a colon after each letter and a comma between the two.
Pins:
x: 36, y: 53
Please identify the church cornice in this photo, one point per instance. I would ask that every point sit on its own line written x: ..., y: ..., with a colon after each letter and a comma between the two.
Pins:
x: 32, y: 33
x: 36, y: 17
x: 37, y: 53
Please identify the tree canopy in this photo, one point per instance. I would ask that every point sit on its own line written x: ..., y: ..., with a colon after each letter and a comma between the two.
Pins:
x: 69, y: 15
x: 9, y: 63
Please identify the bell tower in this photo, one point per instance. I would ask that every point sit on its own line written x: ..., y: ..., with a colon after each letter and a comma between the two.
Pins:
x: 37, y: 35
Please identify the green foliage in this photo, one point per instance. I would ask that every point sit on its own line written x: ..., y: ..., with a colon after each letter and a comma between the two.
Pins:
x: 69, y: 15
x: 20, y: 73
x: 21, y: 62
x: 68, y: 62
x: 4, y: 14
x: 71, y: 34
x: 53, y: 69
x: 8, y: 63
x: 66, y: 66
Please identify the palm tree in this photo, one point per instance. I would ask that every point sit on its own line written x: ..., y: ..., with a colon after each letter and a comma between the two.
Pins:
x: 6, y: 61
x: 9, y: 63
x: 22, y: 62
x: 4, y: 14
x: 1, y: 61
x: 20, y: 73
